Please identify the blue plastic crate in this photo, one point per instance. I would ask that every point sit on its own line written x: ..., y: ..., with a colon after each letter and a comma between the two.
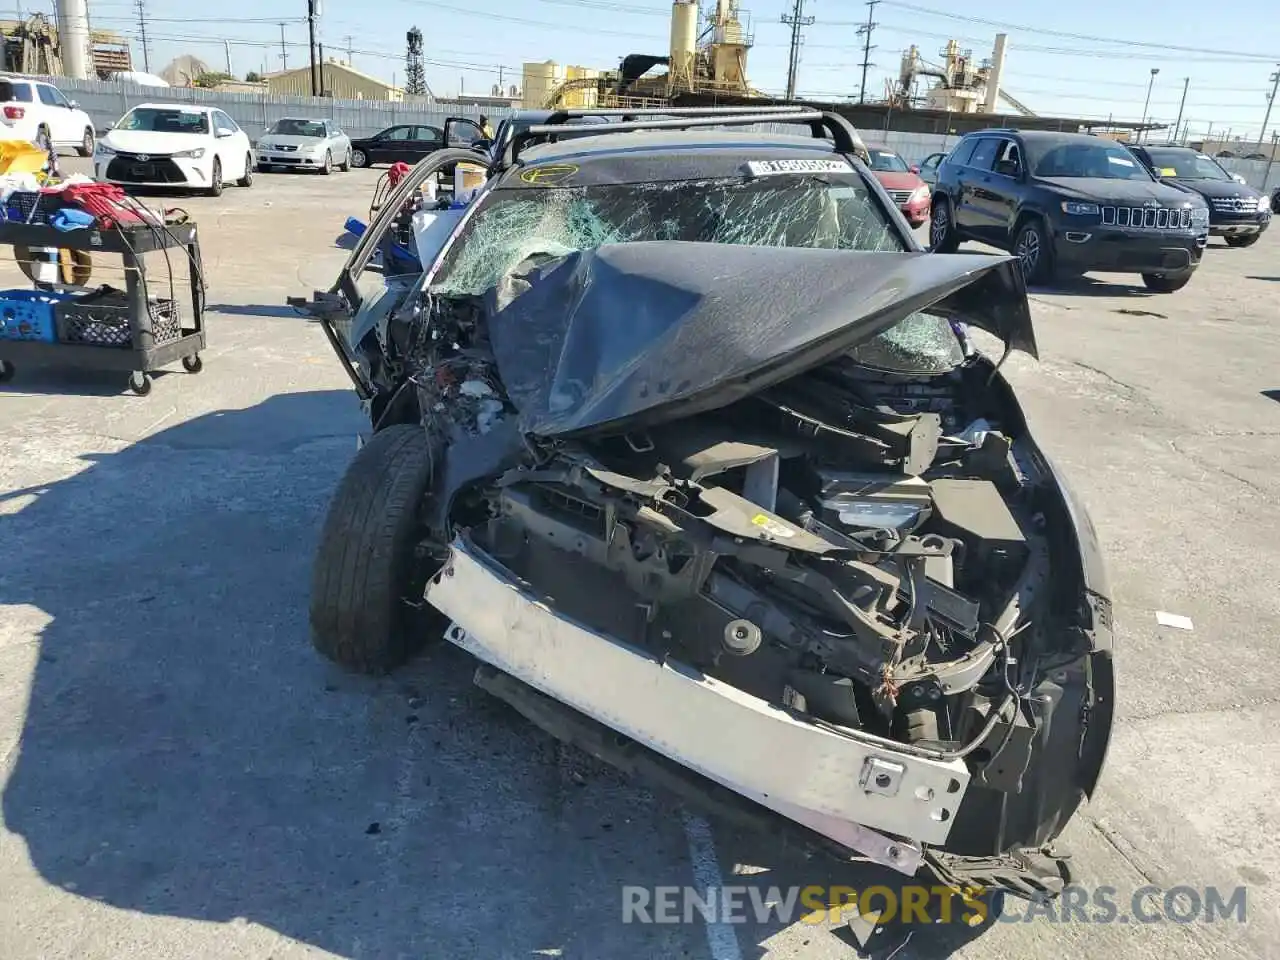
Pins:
x: 28, y: 315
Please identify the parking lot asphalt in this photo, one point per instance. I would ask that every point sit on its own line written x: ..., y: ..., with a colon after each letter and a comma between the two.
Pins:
x: 184, y: 777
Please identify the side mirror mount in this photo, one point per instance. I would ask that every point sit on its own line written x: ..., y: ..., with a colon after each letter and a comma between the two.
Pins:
x: 109, y: 127
x: 73, y: 104
x: 1007, y: 168
x: 915, y: 168
x: 223, y: 133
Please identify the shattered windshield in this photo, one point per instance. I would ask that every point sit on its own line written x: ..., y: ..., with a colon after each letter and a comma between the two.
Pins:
x: 833, y: 213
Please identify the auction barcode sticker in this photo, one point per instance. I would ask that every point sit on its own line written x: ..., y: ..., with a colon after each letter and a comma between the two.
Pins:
x: 766, y: 168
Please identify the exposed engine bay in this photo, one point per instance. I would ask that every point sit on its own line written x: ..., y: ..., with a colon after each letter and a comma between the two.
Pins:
x: 867, y: 546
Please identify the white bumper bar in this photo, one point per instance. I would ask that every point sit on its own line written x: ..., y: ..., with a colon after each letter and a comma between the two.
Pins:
x: 836, y: 783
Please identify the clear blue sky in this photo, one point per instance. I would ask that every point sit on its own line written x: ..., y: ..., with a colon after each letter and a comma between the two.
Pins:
x: 1228, y: 52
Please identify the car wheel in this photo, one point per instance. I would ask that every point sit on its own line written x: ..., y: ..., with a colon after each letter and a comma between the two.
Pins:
x: 247, y: 179
x: 359, y: 158
x: 215, y: 179
x: 942, y: 232
x: 1248, y: 240
x: 345, y: 165
x: 1166, y: 282
x: 43, y: 141
x: 328, y: 164
x: 1034, y: 254
x: 369, y: 574
x: 86, y: 144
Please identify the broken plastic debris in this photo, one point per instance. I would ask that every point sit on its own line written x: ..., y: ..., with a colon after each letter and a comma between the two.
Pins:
x: 489, y: 411
x: 975, y: 431
x: 476, y: 388
x: 1173, y: 620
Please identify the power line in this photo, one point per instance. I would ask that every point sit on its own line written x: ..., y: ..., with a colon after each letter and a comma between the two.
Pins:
x: 796, y: 20
x: 866, y: 29
x: 1084, y: 37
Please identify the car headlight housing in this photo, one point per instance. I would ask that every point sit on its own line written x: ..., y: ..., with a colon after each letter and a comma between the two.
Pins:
x: 194, y: 154
x: 1264, y: 203
x: 920, y: 193
x: 102, y: 150
x: 1074, y: 208
x: 1199, y: 215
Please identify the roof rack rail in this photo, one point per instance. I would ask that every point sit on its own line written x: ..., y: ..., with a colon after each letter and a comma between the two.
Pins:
x: 822, y: 125
x: 560, y: 115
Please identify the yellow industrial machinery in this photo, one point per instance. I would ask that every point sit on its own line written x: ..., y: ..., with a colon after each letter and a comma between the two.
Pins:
x: 711, y: 61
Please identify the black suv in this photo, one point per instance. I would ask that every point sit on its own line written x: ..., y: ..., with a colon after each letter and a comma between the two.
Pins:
x: 1237, y: 212
x: 1067, y: 203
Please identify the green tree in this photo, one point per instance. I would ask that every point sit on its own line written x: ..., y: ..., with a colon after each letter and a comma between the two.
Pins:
x: 211, y: 79
x: 253, y: 76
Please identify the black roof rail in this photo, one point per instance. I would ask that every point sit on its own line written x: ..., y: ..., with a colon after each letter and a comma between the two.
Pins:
x: 822, y: 125
x: 562, y: 115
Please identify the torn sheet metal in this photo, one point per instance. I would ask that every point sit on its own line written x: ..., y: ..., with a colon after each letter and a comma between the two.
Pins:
x: 634, y: 334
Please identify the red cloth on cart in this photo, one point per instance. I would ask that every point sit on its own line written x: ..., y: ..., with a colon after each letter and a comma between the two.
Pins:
x: 107, y: 202
x: 398, y: 171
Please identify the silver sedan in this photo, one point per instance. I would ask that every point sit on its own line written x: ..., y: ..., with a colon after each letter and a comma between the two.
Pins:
x: 304, y: 144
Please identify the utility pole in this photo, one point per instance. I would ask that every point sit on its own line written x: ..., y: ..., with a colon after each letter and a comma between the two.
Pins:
x: 227, y: 44
x: 311, y: 37
x: 321, y: 69
x: 1186, y: 82
x: 142, y: 34
x: 350, y: 55
x: 284, y: 51
x: 1271, y: 102
x: 865, y: 30
x: 795, y: 20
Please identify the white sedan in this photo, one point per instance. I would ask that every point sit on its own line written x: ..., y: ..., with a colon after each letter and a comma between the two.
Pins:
x: 175, y: 145
x: 304, y: 145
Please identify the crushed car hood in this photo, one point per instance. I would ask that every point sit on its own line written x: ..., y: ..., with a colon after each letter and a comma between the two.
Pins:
x: 629, y: 335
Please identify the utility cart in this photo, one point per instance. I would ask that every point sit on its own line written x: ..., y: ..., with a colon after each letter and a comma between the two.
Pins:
x: 138, y: 329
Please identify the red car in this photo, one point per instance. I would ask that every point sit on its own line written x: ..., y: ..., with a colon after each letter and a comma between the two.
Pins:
x: 903, y: 184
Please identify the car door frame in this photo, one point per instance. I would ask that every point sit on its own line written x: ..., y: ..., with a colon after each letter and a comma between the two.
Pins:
x: 1001, y: 197
x: 381, y: 148
x: 925, y: 162
x: 972, y: 211
x: 418, y: 147
x: 60, y: 115
x: 236, y: 168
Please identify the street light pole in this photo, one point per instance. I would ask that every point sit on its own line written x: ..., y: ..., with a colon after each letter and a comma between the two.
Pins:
x: 1142, y: 132
x: 1186, y: 82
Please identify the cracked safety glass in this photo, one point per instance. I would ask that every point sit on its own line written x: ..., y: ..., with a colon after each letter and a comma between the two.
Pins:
x: 833, y: 213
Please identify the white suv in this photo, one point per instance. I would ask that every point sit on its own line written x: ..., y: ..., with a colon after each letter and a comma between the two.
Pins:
x: 38, y: 112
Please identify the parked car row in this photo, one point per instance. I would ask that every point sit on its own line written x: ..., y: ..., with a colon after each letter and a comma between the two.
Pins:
x: 1067, y: 203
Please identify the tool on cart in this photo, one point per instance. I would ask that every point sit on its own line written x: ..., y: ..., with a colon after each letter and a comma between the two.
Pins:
x: 53, y: 230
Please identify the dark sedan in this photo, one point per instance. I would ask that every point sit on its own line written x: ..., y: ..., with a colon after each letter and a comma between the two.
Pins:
x: 410, y: 142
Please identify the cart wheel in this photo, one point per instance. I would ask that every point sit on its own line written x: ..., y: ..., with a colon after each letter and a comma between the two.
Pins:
x: 140, y: 383
x: 193, y: 363
x: 7, y: 370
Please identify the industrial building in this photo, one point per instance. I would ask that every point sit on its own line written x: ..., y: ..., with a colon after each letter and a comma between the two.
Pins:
x: 337, y: 79
x: 708, y: 59
x: 32, y: 45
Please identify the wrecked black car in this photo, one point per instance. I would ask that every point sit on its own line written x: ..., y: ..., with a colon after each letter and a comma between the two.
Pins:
x: 682, y: 435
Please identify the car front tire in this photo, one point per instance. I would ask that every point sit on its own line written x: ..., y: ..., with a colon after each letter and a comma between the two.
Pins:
x: 1035, y: 254
x: 86, y: 144
x: 1248, y: 240
x: 215, y: 179
x: 367, y: 579
x: 247, y: 179
x: 1166, y: 282
x: 359, y: 158
x: 345, y: 165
